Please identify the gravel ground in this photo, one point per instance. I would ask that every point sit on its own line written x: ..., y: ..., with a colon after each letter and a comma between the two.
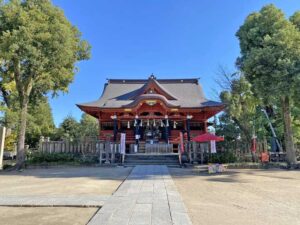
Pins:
x: 248, y: 197
x: 45, y: 215
x: 62, y: 181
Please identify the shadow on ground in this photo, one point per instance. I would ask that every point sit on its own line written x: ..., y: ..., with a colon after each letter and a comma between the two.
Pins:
x: 231, y: 175
x: 118, y: 173
x: 111, y: 173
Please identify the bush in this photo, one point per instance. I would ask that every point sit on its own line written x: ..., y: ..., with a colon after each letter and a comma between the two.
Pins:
x: 40, y: 157
x: 7, y: 166
x: 222, y: 157
x: 87, y: 160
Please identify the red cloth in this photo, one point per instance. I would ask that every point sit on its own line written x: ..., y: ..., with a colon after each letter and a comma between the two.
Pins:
x: 265, y: 157
x: 178, y: 139
x: 253, y: 145
x: 207, y: 137
x: 181, y: 143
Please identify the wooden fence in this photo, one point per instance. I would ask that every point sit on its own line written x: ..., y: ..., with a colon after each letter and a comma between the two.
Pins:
x: 109, y: 152
x: 198, y: 152
x: 195, y: 151
x: 91, y: 147
x: 106, y: 151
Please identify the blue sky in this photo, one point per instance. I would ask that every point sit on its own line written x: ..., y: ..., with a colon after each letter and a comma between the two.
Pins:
x: 170, y: 38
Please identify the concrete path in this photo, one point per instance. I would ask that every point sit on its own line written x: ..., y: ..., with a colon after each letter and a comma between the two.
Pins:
x: 52, y: 201
x: 147, y: 196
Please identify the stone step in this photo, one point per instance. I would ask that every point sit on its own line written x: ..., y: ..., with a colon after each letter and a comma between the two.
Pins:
x: 150, y: 159
x: 154, y: 160
x: 144, y: 156
x: 151, y: 164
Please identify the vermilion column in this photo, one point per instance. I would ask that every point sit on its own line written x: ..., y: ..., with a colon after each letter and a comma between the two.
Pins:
x: 205, y: 126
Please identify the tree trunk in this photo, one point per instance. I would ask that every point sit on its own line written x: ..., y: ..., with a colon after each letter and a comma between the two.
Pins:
x: 288, y: 133
x: 24, y: 87
x: 22, y: 131
x: 246, y: 131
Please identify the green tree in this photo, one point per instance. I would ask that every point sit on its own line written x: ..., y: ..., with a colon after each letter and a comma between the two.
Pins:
x: 89, y: 126
x: 69, y: 129
x: 242, y: 117
x: 38, y: 50
x: 296, y: 123
x: 295, y: 19
x: 241, y: 105
x: 40, y: 122
x: 270, y: 60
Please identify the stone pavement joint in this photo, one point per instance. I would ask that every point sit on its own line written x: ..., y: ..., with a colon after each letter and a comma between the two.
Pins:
x: 148, y: 196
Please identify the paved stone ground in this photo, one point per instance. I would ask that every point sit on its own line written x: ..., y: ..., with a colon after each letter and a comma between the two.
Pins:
x: 147, y: 196
x: 49, y: 196
x: 54, y: 201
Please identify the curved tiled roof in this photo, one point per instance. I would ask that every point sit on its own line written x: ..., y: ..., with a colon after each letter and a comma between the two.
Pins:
x: 186, y: 93
x: 154, y: 82
x: 142, y: 97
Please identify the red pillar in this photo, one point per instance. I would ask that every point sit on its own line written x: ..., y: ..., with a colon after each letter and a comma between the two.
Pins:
x: 99, y: 121
x: 205, y: 126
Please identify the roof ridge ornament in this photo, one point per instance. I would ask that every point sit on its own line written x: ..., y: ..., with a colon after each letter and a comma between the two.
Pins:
x: 152, y: 86
x: 152, y: 77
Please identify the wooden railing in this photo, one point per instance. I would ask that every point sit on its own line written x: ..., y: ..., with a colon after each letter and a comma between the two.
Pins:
x: 158, y: 148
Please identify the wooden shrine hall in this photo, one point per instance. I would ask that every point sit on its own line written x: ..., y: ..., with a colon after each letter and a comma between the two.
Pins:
x: 152, y: 112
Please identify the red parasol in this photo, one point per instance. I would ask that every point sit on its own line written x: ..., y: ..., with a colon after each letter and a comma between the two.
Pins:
x: 207, y: 137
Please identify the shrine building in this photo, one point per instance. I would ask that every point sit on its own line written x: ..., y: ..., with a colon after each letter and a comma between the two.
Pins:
x: 152, y: 111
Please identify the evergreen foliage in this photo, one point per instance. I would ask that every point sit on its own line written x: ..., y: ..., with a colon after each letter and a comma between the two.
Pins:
x: 270, y: 60
x: 38, y: 51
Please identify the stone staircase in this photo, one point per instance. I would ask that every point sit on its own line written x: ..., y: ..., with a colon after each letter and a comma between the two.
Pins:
x: 151, y: 159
